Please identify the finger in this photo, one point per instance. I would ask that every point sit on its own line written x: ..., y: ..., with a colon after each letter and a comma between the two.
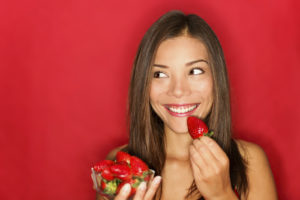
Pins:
x: 141, y: 190
x: 207, y: 155
x: 197, y: 159
x: 216, y: 150
x: 124, y: 192
x: 196, y: 170
x: 153, y: 188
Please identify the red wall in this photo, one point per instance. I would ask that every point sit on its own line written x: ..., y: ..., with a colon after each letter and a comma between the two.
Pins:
x: 64, y: 75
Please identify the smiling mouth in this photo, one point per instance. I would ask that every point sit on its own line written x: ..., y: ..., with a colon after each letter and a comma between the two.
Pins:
x: 181, y: 110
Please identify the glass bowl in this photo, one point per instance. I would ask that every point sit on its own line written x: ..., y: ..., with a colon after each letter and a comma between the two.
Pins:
x: 110, y: 188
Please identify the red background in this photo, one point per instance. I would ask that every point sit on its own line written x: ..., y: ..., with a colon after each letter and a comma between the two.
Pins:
x: 64, y: 76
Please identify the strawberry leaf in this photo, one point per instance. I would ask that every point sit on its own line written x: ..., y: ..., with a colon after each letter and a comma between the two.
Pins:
x: 209, y: 134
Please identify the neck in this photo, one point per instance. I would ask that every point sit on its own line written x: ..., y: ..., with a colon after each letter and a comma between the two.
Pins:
x: 177, y: 144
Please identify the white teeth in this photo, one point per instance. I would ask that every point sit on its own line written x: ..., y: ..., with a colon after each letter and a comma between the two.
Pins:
x: 182, y: 109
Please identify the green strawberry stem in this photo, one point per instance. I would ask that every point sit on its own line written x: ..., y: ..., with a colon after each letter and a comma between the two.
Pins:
x: 111, y: 187
x: 209, y: 134
x: 137, y: 183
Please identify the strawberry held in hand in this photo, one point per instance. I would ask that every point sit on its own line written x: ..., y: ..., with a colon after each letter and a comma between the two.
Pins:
x: 197, y: 128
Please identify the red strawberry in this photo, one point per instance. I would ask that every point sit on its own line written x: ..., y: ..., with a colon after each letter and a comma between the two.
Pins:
x: 103, y: 164
x: 147, y: 178
x: 103, y: 185
x: 121, y: 171
x: 197, y: 127
x: 107, y: 174
x: 138, y: 166
x: 236, y: 193
x: 123, y: 156
x: 148, y: 175
x: 122, y: 163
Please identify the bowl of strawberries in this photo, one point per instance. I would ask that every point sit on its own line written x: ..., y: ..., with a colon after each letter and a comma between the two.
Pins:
x: 109, y: 176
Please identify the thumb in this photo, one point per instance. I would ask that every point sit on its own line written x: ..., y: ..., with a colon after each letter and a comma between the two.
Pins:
x: 124, y: 192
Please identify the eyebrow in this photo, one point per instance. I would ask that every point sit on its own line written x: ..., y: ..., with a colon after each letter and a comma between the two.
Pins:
x: 187, y: 64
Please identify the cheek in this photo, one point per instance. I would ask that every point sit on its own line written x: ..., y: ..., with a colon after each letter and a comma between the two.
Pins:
x: 204, y: 88
x: 154, y: 97
x: 208, y: 96
x: 156, y: 90
x: 208, y: 91
x: 153, y: 94
x: 204, y: 93
x: 158, y: 98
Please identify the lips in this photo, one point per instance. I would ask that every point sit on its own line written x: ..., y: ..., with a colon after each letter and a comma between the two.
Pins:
x: 181, y: 110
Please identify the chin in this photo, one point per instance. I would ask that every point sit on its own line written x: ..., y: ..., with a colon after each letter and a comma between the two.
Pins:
x: 178, y: 129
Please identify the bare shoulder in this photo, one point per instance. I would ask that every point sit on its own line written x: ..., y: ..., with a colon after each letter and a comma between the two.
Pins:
x: 259, y: 172
x: 254, y: 155
x: 251, y: 152
x: 112, y: 154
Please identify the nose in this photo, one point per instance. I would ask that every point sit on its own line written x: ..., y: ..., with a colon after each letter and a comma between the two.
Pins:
x: 179, y: 87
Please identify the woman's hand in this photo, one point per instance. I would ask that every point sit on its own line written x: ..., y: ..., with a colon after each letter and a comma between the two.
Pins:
x: 142, y: 192
x: 210, y: 166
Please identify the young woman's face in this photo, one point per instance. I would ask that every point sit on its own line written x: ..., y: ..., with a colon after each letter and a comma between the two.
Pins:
x: 182, y: 83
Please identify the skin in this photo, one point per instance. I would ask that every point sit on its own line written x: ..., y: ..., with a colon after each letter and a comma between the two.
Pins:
x: 180, y: 82
x: 177, y: 81
x: 181, y: 75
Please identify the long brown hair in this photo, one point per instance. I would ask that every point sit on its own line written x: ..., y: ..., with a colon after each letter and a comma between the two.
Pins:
x: 146, y: 128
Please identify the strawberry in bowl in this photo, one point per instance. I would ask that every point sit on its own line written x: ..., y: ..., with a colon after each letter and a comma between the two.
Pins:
x: 109, y: 176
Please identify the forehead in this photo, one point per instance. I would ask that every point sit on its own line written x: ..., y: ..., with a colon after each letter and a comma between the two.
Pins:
x: 180, y: 49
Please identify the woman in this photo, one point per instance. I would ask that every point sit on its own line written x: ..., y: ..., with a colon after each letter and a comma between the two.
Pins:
x: 180, y: 71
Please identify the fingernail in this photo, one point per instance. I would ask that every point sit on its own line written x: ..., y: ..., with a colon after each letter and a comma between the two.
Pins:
x: 157, y: 180
x: 142, y: 186
x: 126, y: 188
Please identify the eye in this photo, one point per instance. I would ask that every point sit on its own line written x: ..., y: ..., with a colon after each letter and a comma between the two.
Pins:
x: 159, y: 74
x: 196, y: 71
